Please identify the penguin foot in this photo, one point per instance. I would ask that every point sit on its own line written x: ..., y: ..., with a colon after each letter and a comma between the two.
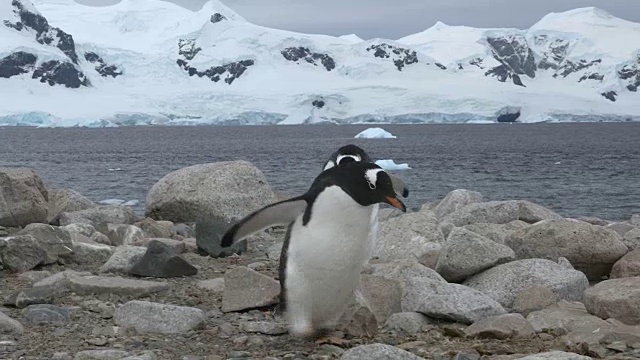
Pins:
x: 332, y: 340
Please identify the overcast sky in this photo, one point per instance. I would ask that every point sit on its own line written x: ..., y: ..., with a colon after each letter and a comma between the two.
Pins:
x: 396, y: 18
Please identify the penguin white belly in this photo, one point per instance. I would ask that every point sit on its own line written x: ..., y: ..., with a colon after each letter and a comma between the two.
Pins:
x: 325, y: 259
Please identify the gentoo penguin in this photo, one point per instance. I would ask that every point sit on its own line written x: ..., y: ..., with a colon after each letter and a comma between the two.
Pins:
x: 327, y: 243
x: 349, y: 153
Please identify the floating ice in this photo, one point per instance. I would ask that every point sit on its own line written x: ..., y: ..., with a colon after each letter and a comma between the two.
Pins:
x: 389, y: 164
x: 119, y: 202
x: 375, y: 133
x: 115, y: 169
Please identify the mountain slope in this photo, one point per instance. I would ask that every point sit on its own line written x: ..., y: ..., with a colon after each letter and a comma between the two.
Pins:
x: 153, y: 62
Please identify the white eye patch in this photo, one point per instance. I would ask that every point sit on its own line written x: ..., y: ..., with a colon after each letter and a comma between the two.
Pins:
x: 329, y: 165
x: 354, y: 157
x: 372, y: 177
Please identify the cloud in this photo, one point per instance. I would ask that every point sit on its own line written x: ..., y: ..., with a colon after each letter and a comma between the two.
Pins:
x: 397, y: 18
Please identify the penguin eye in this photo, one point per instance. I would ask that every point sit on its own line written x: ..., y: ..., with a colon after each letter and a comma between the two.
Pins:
x: 372, y: 186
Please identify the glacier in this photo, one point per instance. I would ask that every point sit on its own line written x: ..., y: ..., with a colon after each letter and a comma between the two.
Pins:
x: 154, y: 63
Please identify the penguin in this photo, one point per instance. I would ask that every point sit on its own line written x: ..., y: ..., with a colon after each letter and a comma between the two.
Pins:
x: 327, y: 243
x: 349, y: 153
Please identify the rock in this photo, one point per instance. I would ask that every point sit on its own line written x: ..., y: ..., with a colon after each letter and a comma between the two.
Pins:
x: 25, y: 297
x: 411, y: 236
x: 162, y: 261
x: 564, y: 317
x: 87, y: 285
x: 66, y: 200
x: 226, y: 191
x: 23, y: 197
x: 184, y: 230
x: 176, y: 246
x: 627, y: 266
x: 9, y: 326
x: 446, y: 301
x: 264, y: 327
x: 34, y: 276
x: 358, y: 320
x: 501, y: 327
x: 157, y: 229
x: 621, y: 227
x: 21, y: 253
x: 84, y: 253
x: 632, y: 239
x: 124, y: 234
x: 597, y: 338
x: 46, y: 314
x: 402, y: 270
x: 593, y: 220
x: 209, y: 235
x: 591, y: 249
x: 555, y: 355
x: 635, y: 220
x: 248, y: 289
x: 273, y: 252
x: 494, y: 212
x: 106, y: 354
x: 497, y: 232
x: 503, y: 282
x: 384, y: 296
x: 455, y: 200
x: 466, y: 253
x: 213, y: 285
x: 617, y: 298
x: 147, y: 355
x: 378, y: 352
x: 54, y: 240
x: 534, y: 298
x: 86, y: 233
x: 105, y: 214
x: 123, y: 259
x: 60, y: 281
x: 407, y: 322
x: 564, y: 262
x: 532, y: 213
x: 148, y: 317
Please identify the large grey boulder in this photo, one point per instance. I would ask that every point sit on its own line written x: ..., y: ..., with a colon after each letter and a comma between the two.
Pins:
x: 123, y: 259
x: 56, y: 241
x: 410, y: 236
x: 589, y: 248
x: 124, y: 234
x: 501, y: 327
x: 497, y: 232
x: 616, y: 298
x: 632, y: 239
x: 227, y: 190
x: 66, y: 200
x: 86, y: 233
x: 149, y: 317
x: 107, y: 214
x: 21, y: 253
x: 248, y: 289
x: 401, y: 270
x: 466, y: 253
x: 455, y: 200
x: 564, y: 317
x: 452, y: 302
x: 157, y: 229
x: 23, y: 197
x: 497, y: 212
x: 627, y: 266
x: 504, y: 282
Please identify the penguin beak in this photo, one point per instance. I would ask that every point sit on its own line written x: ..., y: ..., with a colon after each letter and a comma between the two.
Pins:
x: 396, y: 203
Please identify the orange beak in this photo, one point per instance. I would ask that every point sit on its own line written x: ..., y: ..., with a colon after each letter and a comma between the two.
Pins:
x: 396, y: 203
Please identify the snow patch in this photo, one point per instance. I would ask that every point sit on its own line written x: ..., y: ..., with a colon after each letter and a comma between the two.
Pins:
x: 374, y: 133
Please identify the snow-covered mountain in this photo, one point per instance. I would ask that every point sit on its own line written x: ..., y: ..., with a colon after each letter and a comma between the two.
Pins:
x: 153, y: 62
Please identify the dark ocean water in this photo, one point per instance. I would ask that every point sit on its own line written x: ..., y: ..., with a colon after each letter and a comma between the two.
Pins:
x: 590, y: 169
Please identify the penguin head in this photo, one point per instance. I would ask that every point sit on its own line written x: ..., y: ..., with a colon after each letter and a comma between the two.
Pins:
x: 366, y: 183
x: 346, y: 154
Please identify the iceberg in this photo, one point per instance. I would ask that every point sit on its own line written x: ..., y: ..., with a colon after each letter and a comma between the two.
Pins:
x: 375, y: 133
x: 389, y: 164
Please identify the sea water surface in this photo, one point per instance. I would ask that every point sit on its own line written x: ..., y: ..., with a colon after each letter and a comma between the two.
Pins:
x: 576, y: 169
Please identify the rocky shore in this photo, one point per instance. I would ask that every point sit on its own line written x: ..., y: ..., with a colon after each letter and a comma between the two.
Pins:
x: 463, y: 278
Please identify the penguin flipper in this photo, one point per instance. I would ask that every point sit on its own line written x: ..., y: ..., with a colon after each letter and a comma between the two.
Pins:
x: 280, y: 213
x: 399, y: 186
